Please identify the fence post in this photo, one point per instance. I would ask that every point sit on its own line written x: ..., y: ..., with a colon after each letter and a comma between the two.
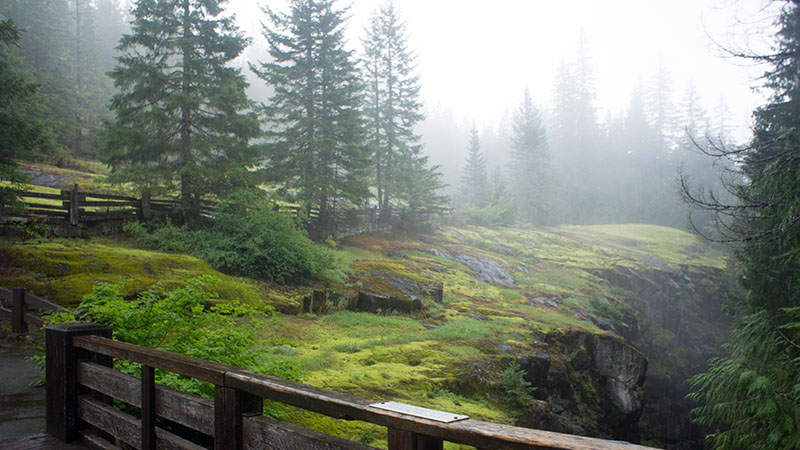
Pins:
x: 61, y: 404
x: 74, y: 211
x: 407, y: 440
x: 18, y: 324
x: 145, y: 210
x: 229, y: 406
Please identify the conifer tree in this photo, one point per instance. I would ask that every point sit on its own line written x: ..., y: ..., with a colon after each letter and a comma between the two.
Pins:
x: 316, y: 144
x: 529, y: 161
x: 392, y: 106
x: 475, y: 180
x: 182, y: 114
x: 750, y: 397
x: 19, y: 136
x: 45, y: 50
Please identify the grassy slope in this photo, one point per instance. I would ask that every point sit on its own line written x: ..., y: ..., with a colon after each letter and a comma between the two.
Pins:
x: 428, y: 358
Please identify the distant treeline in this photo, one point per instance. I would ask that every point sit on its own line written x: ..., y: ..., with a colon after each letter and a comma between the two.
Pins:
x: 152, y: 92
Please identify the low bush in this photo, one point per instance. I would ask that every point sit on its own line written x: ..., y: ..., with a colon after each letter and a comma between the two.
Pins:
x: 189, y: 321
x: 248, y: 238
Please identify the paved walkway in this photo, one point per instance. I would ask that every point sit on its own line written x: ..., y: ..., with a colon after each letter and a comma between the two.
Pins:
x: 21, y: 406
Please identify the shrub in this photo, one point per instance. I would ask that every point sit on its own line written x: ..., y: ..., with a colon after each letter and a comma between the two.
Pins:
x: 248, y: 238
x: 517, y: 389
x: 185, y: 321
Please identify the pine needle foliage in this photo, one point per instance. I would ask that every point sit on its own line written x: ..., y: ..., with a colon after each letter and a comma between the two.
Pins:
x: 183, y: 119
x: 750, y: 397
x: 316, y: 147
x: 403, y: 176
x: 19, y: 136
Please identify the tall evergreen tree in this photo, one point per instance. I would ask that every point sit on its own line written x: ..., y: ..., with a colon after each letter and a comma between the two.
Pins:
x: 46, y: 54
x: 529, y: 161
x: 393, y: 111
x: 475, y: 180
x: 182, y: 117
x: 751, y: 397
x: 317, y: 133
x: 19, y: 135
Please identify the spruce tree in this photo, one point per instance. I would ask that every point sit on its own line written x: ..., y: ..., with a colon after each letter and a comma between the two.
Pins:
x: 750, y: 397
x: 474, y: 179
x: 316, y: 146
x: 392, y: 107
x: 182, y: 116
x: 530, y: 161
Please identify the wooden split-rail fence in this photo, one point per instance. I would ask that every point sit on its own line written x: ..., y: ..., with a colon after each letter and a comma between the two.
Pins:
x: 82, y: 386
x: 81, y: 207
x: 17, y: 306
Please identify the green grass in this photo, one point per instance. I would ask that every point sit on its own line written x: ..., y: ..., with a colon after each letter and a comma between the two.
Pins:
x: 64, y: 270
x: 416, y: 358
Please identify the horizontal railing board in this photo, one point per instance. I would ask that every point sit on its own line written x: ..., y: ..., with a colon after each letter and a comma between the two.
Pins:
x: 126, y: 427
x: 42, y: 304
x: 106, y: 203
x: 5, y: 314
x: 42, y: 195
x: 181, y: 364
x: 96, y: 441
x: 46, y: 212
x: 109, y: 196
x: 345, y: 406
x: 32, y: 205
x: 33, y: 319
x: 264, y: 433
x: 6, y: 294
x: 471, y: 432
x: 186, y: 409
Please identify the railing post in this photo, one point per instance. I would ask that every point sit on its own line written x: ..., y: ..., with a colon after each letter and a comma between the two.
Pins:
x: 74, y: 210
x: 408, y: 440
x: 229, y: 406
x: 61, y: 405
x: 145, y: 210
x: 18, y: 324
x: 148, y: 408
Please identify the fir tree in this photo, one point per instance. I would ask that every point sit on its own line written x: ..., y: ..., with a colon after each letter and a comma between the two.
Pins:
x: 182, y: 116
x: 317, y: 140
x: 46, y: 53
x: 392, y: 106
x: 475, y: 180
x: 529, y: 161
x: 19, y: 136
x: 751, y: 396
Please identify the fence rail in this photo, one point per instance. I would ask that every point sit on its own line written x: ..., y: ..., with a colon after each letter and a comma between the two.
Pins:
x: 90, y: 207
x: 82, y: 385
x: 15, y: 304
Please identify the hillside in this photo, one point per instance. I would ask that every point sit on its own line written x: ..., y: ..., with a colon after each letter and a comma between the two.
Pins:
x: 605, y: 322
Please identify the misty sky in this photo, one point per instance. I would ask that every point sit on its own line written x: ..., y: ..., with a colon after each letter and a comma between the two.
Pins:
x: 475, y: 57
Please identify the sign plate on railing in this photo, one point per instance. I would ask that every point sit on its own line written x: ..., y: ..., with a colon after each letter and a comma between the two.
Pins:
x: 416, y: 411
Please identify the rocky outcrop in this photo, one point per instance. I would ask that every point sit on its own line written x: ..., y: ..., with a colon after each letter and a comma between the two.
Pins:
x: 388, y: 291
x: 484, y: 268
x: 681, y: 324
x: 594, y: 389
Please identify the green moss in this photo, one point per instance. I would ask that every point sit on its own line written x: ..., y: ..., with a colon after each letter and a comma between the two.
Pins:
x: 65, y: 270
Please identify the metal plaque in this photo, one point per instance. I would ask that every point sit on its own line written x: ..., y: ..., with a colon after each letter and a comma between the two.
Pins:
x: 416, y: 411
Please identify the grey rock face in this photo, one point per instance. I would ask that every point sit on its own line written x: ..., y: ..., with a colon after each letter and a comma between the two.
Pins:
x: 485, y: 268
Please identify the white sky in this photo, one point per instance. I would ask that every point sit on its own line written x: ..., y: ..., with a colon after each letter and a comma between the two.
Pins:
x: 475, y: 57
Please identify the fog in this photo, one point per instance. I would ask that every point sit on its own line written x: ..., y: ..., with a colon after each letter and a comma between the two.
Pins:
x: 476, y: 57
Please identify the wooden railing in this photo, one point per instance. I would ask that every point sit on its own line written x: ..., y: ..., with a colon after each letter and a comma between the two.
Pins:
x: 15, y: 305
x: 81, y: 386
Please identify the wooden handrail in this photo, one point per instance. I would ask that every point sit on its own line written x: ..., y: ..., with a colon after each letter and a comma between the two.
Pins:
x: 21, y: 301
x: 248, y: 384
